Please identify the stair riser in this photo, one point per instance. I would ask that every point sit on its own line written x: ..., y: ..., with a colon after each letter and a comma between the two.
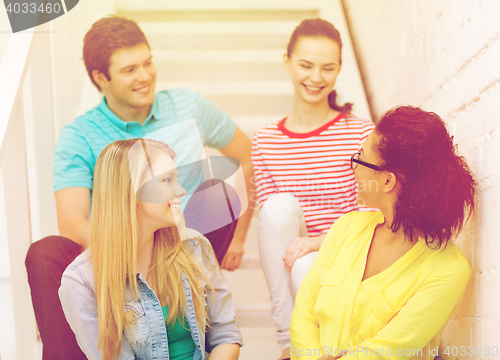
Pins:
x: 246, y: 105
x: 228, y: 41
x: 220, y: 73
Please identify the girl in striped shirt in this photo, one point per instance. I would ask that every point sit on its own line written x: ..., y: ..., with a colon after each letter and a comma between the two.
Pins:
x: 302, y: 168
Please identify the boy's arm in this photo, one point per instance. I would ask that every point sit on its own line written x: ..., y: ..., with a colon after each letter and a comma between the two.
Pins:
x: 240, y: 147
x: 219, y: 131
x: 73, y: 207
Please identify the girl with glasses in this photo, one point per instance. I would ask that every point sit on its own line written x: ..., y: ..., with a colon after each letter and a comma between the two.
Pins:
x: 147, y: 287
x: 301, y: 163
x: 386, y: 283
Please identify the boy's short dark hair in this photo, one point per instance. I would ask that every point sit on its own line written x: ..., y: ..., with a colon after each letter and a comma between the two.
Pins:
x: 105, y: 37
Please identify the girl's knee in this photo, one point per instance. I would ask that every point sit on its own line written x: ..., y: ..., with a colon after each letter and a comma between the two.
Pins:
x: 300, y: 269
x: 303, y: 264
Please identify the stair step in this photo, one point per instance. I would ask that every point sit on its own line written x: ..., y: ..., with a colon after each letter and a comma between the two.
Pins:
x: 142, y: 13
x: 226, y: 41
x: 263, y: 28
x: 250, y: 261
x: 250, y: 124
x: 219, y: 56
x: 260, y: 343
x: 254, y: 105
x: 230, y: 88
x: 254, y: 315
x: 241, y: 5
x: 225, y: 35
x: 211, y: 72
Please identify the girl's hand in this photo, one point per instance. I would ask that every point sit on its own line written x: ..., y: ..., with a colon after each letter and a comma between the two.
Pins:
x: 300, y: 247
x: 233, y: 255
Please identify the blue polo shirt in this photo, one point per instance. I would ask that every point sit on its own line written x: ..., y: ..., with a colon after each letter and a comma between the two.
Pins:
x: 181, y: 118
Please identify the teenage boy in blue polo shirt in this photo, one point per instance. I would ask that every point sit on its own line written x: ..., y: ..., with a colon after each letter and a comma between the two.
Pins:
x: 119, y: 63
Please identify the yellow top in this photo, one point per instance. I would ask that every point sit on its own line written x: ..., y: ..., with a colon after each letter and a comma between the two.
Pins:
x: 399, y: 313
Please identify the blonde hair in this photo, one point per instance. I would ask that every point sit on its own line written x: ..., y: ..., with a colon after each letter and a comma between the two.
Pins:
x: 120, y: 170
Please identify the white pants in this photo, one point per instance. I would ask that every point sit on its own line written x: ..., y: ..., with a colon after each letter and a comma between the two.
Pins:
x: 281, y: 221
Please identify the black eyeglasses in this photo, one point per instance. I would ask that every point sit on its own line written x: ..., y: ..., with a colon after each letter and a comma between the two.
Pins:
x: 355, y: 161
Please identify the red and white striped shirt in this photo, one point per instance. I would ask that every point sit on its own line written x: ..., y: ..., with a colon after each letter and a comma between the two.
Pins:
x: 314, y: 167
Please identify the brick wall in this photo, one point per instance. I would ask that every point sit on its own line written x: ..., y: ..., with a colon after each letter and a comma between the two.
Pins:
x: 444, y: 56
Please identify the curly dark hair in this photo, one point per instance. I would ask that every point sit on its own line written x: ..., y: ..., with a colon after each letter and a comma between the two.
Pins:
x: 437, y: 187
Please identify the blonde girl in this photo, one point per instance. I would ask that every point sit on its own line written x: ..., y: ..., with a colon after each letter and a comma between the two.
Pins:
x: 139, y: 291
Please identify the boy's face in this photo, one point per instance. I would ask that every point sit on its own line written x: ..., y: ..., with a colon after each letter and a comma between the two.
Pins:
x: 132, y: 78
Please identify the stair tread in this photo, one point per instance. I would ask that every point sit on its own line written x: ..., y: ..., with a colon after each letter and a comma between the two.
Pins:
x: 220, y: 56
x: 230, y: 88
x: 250, y: 261
x: 254, y: 315
x: 243, y: 5
x: 252, y: 307
x: 264, y: 28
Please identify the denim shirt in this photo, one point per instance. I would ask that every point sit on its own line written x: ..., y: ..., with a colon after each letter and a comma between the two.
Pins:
x: 147, y: 339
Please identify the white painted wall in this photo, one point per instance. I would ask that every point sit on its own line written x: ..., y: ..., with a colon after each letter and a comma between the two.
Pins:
x: 444, y: 56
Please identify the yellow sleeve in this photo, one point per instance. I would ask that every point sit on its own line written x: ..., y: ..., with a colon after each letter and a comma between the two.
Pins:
x: 304, y: 326
x: 425, y: 314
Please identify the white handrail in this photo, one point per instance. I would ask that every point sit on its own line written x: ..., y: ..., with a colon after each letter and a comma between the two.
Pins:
x: 13, y: 163
x: 12, y: 74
